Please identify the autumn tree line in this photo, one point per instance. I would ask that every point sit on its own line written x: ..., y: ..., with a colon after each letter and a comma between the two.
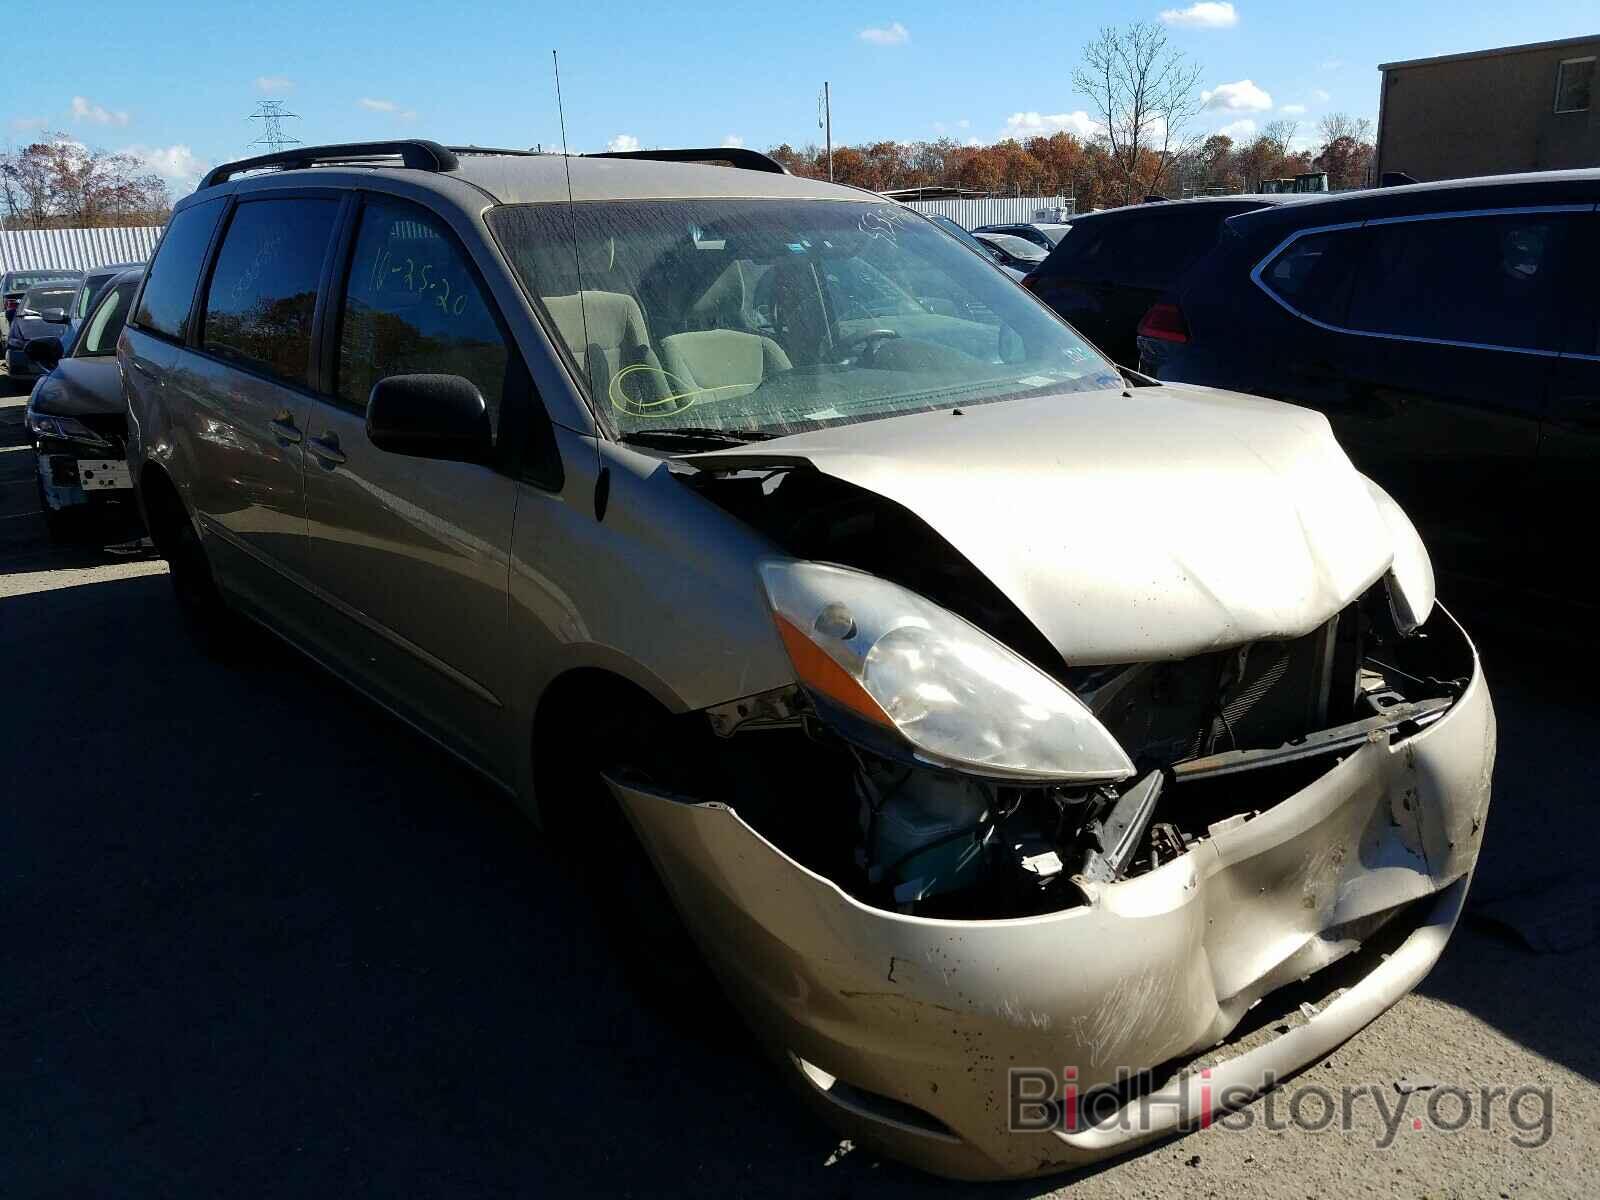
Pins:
x: 1146, y: 99
x: 59, y: 183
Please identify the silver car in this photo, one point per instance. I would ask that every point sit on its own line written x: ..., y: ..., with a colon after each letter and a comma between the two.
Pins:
x: 1002, y: 725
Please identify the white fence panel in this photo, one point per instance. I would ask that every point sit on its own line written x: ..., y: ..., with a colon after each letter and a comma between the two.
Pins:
x: 75, y: 249
x: 970, y: 212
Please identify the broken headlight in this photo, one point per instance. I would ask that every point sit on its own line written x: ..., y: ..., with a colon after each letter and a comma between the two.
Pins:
x: 958, y: 697
x: 67, y: 429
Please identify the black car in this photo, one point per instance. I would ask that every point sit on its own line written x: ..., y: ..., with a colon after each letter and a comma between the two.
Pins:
x: 1450, y: 333
x: 1046, y: 235
x: 78, y: 419
x: 1012, y: 251
x: 1119, y: 261
x: 42, y: 312
x: 89, y: 292
x: 13, y: 284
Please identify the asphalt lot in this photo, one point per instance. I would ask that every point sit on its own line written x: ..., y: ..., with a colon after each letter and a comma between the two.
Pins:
x: 256, y: 938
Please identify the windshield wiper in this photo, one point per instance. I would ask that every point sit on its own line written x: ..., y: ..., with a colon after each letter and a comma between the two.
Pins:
x: 703, y: 435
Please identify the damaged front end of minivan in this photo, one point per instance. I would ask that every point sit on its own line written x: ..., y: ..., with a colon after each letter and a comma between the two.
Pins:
x: 952, y: 850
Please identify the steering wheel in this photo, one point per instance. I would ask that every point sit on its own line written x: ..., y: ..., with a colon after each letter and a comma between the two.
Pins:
x: 869, y: 344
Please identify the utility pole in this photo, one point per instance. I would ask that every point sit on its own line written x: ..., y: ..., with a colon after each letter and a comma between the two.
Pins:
x: 826, y: 121
x: 271, y: 114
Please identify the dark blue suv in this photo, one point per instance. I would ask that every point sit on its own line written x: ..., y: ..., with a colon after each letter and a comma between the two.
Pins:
x: 1449, y: 332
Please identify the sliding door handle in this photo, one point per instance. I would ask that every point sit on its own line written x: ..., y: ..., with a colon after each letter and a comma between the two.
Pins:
x: 326, y: 448
x: 284, y: 428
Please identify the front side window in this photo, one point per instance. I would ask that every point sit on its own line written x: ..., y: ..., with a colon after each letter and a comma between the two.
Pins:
x: 1574, y: 85
x: 105, y: 326
x: 263, y: 292
x: 169, y: 288
x: 1490, y: 281
x: 763, y: 317
x: 412, y: 305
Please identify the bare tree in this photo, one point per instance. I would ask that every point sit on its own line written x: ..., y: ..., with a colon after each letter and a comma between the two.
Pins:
x: 1146, y: 94
x: 1342, y: 125
x: 1281, y: 133
x: 57, y: 182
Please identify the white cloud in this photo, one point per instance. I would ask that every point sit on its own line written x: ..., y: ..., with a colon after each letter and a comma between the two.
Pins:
x: 1330, y: 64
x: 623, y: 141
x: 85, y: 110
x: 892, y: 34
x: 1207, y: 14
x: 1321, y: 96
x: 1243, y: 96
x: 1033, y: 124
x: 1238, y: 130
x: 374, y: 104
x: 29, y: 124
x: 733, y: 141
x: 177, y: 164
x: 274, y: 83
x: 1293, y: 110
x: 963, y: 124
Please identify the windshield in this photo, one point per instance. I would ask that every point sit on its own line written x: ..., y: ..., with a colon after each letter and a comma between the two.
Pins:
x: 765, y: 317
x: 39, y: 299
x: 22, y: 281
x: 1016, y: 247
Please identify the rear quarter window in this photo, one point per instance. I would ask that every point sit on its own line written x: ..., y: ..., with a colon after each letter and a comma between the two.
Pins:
x: 169, y: 287
x: 1312, y: 274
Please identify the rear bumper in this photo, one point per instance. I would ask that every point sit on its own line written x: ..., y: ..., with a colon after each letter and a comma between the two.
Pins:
x: 904, y: 1030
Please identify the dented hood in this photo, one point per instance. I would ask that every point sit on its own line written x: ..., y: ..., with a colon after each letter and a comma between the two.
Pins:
x: 1127, y: 527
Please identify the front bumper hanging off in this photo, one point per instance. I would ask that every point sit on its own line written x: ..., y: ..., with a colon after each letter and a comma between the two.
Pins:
x: 905, y: 1029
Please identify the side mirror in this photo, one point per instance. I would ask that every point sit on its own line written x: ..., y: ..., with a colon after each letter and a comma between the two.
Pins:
x: 430, y: 416
x: 56, y: 316
x: 45, y: 351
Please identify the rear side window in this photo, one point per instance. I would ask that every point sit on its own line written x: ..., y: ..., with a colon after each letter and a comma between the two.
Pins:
x: 1312, y: 274
x: 1148, y: 250
x: 412, y: 305
x: 263, y: 292
x: 169, y: 288
x: 1491, y: 281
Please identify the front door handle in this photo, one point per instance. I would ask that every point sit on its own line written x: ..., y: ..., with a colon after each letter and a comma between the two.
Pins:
x: 326, y: 448
x: 284, y: 428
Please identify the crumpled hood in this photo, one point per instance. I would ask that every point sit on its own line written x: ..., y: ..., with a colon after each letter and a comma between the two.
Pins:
x: 1129, y: 528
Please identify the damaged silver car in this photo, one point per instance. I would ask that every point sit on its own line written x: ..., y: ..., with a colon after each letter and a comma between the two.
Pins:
x: 982, y: 707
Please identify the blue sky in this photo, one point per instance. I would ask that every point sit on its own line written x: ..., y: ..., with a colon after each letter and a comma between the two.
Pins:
x: 174, y: 80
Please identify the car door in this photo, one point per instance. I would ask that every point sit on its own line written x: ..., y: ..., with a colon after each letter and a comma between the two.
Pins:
x: 410, y: 555
x: 246, y: 380
x: 1569, y: 445
x: 1454, y: 327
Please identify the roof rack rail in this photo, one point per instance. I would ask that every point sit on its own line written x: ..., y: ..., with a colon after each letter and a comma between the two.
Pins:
x: 417, y: 153
x: 494, y: 150
x: 716, y: 156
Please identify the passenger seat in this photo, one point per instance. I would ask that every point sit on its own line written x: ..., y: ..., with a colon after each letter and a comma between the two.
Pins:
x: 611, y: 327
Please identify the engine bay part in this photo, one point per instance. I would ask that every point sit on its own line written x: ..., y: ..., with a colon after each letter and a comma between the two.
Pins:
x: 1218, y: 739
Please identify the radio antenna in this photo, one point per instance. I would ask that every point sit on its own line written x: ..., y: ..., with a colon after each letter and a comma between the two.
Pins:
x: 602, y: 484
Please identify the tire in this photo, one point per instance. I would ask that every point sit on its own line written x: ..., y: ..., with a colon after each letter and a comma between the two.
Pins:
x: 631, y: 737
x: 216, y: 628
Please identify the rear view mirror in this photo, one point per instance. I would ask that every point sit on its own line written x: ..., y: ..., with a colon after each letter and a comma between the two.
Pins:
x: 45, y: 351
x: 56, y: 316
x: 430, y: 416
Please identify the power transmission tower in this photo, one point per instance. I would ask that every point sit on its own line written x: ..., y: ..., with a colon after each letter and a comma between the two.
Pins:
x: 271, y: 114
